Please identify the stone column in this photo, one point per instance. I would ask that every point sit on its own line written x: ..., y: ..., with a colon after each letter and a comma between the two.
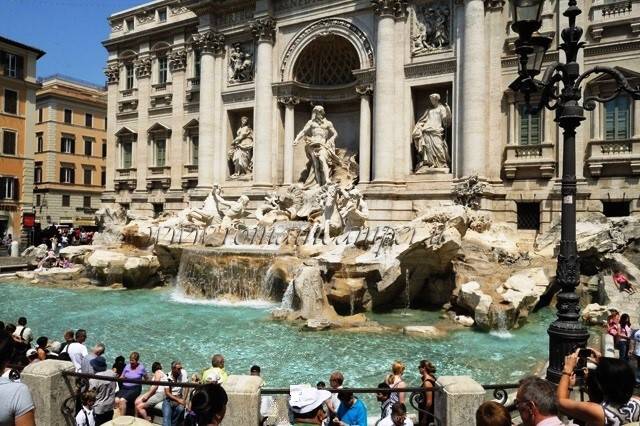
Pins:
x: 474, y: 90
x: 264, y: 31
x: 289, y: 103
x: 111, y: 162
x: 458, y: 401
x: 49, y: 389
x: 513, y: 119
x: 143, y: 76
x: 365, y: 92
x: 384, y: 147
x: 209, y: 42
x: 220, y: 145
x: 178, y: 65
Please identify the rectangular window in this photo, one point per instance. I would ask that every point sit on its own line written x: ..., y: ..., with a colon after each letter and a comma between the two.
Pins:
x: 162, y: 14
x: 67, y: 175
x: 38, y: 200
x: 530, y: 128
x: 197, y: 59
x: 529, y: 216
x: 160, y: 152
x: 66, y: 201
x: 127, y: 149
x: 11, y: 65
x: 103, y: 178
x: 162, y: 70
x: 194, y: 150
x: 40, y: 115
x: 88, y: 147
x: 617, y: 119
x: 10, y: 101
x: 68, y: 116
x: 9, y: 142
x: 87, y: 176
x: 616, y: 208
x: 86, y: 202
x: 40, y: 144
x: 129, y: 24
x: 67, y: 145
x: 37, y: 175
x: 128, y: 69
x: 88, y: 120
x: 104, y: 150
x: 8, y: 188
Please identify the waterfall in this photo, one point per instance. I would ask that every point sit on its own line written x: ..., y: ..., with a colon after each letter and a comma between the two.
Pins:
x: 225, y: 273
x: 501, y: 331
x: 287, y: 299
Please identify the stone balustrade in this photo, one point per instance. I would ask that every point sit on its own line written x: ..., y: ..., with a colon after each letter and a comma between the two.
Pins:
x: 529, y: 161
x: 614, y: 158
x: 604, y: 14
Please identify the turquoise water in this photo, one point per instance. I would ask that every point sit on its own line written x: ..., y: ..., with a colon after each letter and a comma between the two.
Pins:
x: 164, y: 327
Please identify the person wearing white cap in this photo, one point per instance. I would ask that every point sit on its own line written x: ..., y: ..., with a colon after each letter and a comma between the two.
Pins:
x: 307, y: 405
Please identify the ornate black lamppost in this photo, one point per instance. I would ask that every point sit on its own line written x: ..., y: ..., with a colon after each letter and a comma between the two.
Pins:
x: 560, y: 90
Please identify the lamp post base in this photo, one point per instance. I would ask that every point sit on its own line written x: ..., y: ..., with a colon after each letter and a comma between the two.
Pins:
x: 564, y: 338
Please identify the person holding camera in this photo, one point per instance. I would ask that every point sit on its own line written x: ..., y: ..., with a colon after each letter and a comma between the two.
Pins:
x: 614, y: 381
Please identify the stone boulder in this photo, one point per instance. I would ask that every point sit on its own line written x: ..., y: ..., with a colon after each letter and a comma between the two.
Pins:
x: 132, y: 270
x: 35, y: 251
x: 77, y: 254
x: 427, y: 331
x: 464, y: 320
x: 139, y: 234
x: 595, y: 314
x: 524, y: 289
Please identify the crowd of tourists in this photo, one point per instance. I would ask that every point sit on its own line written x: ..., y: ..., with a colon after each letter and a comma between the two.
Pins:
x: 57, y: 237
x: 609, y: 385
x: 626, y: 339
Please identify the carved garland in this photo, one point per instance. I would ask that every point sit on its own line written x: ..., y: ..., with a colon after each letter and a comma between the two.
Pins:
x: 326, y: 24
x: 112, y: 72
x: 143, y: 67
x: 178, y: 60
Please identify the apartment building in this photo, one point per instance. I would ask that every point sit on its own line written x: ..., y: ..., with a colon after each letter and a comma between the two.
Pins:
x: 18, y: 87
x: 70, y: 137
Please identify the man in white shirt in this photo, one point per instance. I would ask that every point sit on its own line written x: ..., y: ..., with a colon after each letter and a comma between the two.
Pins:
x: 23, y: 332
x: 397, y: 417
x: 174, y: 404
x: 77, y: 350
x: 536, y: 402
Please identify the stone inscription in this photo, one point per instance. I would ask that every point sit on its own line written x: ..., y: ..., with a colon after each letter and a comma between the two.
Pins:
x: 282, y: 5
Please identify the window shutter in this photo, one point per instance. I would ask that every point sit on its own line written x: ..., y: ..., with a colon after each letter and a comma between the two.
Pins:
x: 622, y: 119
x: 3, y: 62
x: 73, y: 146
x: 524, y: 127
x: 61, y: 175
x: 73, y: 175
x: 19, y: 66
x: 3, y: 188
x: 609, y: 121
x: 16, y: 189
x: 534, y: 138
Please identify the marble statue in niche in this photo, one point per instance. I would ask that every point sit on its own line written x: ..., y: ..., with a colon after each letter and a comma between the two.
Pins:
x: 431, y: 29
x: 428, y: 136
x: 240, y: 155
x: 319, y: 137
x: 240, y: 64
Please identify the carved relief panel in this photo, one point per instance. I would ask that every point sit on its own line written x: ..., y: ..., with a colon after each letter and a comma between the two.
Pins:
x: 430, y: 27
x: 241, y: 61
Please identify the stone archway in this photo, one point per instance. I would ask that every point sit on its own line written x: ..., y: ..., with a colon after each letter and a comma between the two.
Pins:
x: 333, y: 27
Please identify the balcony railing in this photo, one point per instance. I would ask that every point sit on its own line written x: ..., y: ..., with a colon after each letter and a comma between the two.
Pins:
x: 191, y: 169
x: 608, y: 14
x: 159, y: 170
x: 614, y: 158
x: 529, y: 161
x: 125, y: 174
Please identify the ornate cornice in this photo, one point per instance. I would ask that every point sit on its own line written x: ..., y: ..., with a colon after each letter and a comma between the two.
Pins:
x: 425, y: 69
x: 289, y: 100
x: 364, y: 89
x: 264, y: 29
x: 607, y: 49
x: 142, y: 67
x: 112, y: 72
x: 209, y: 41
x: 395, y: 8
x: 178, y: 60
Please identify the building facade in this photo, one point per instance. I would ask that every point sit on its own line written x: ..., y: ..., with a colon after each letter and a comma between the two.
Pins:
x: 70, y: 152
x: 18, y: 87
x: 183, y: 74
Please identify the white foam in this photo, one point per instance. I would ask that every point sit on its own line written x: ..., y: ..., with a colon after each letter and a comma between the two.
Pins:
x: 178, y: 296
x: 501, y: 334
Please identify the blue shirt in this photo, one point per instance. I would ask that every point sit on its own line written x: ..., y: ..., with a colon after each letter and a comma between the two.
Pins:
x: 356, y: 415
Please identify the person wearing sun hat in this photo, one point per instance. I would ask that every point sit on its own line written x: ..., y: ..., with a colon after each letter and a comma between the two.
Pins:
x: 306, y: 404
x: 105, y: 391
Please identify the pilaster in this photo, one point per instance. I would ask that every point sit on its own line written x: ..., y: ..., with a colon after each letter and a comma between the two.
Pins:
x: 112, y: 72
x: 289, y: 103
x: 143, y: 75
x: 178, y: 66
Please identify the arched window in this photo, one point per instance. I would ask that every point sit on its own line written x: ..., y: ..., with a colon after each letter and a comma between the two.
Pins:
x: 327, y: 61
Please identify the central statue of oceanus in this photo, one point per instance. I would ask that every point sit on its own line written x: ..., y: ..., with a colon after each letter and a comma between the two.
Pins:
x: 319, y: 137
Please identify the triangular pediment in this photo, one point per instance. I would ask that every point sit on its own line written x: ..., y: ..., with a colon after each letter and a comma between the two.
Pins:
x: 124, y: 131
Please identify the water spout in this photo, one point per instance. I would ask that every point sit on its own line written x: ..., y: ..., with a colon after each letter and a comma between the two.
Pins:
x: 502, y: 330
x: 287, y: 299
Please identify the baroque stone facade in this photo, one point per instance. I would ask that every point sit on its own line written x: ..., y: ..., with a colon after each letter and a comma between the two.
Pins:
x: 184, y: 76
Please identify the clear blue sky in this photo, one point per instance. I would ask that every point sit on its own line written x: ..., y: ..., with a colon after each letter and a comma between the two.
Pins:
x: 70, y: 31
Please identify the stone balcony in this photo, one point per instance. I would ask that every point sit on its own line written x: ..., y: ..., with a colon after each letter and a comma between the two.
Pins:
x: 614, y: 158
x: 159, y: 176
x: 126, y: 178
x: 529, y: 161
x: 606, y: 14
